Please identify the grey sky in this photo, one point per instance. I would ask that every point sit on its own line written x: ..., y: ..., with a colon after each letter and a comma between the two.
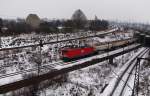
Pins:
x: 130, y: 10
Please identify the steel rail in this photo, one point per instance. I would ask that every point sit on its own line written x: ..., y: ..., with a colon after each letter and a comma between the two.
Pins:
x: 53, y: 42
x: 120, y: 78
x: 48, y: 65
x: 129, y: 76
x: 37, y: 79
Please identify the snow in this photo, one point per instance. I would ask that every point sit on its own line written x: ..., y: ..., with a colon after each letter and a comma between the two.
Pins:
x: 10, y: 79
x: 45, y: 48
x: 128, y: 91
x: 92, y: 79
x: 58, y: 67
x: 112, y: 83
x: 80, y: 81
x: 30, y: 39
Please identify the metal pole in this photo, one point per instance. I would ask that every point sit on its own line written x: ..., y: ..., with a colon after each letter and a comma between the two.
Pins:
x: 123, y: 51
x: 39, y: 64
x: 57, y: 44
x: 136, y: 80
x: 0, y: 42
x: 59, y: 29
x: 138, y: 76
x: 108, y: 53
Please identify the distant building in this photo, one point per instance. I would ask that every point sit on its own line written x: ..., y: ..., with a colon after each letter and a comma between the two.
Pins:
x: 79, y: 15
x: 33, y: 20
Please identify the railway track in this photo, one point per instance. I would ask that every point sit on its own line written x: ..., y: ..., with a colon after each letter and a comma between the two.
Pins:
x: 16, y: 84
x: 53, y: 42
x: 101, y: 48
x: 48, y: 67
x: 123, y: 80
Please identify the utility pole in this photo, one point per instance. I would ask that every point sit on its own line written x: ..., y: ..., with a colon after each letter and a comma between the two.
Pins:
x: 59, y: 30
x: 135, y: 90
x: 136, y: 81
x: 39, y: 63
x: 0, y: 43
x: 123, y: 51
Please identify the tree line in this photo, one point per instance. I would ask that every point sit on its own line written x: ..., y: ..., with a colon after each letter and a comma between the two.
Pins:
x: 19, y: 26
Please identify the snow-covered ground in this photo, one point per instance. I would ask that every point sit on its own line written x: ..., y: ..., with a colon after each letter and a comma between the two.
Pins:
x: 82, y: 82
x: 30, y: 39
x: 112, y: 83
x: 144, y: 85
x: 91, y: 79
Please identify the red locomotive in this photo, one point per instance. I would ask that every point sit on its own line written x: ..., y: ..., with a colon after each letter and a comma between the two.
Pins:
x: 74, y: 52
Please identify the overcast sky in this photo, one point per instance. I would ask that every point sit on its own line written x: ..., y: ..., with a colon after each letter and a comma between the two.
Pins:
x: 125, y: 10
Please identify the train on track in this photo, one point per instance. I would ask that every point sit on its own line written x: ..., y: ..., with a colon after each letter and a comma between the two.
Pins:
x: 69, y: 53
x: 143, y: 38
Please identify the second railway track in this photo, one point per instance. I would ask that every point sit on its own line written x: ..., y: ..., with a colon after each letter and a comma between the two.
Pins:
x: 122, y: 81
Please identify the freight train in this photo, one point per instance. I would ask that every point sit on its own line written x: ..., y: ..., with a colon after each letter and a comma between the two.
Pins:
x: 69, y: 53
